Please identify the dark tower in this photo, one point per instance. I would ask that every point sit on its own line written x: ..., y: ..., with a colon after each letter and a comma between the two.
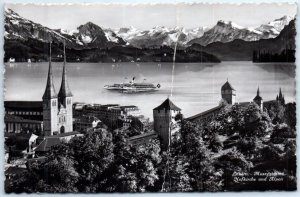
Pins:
x: 281, y: 99
x: 164, y: 121
x: 228, y: 93
x: 258, y: 99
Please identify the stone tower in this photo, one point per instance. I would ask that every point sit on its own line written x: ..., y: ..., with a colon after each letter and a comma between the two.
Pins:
x: 50, y: 103
x: 258, y: 99
x: 164, y: 121
x: 65, y: 96
x: 228, y: 93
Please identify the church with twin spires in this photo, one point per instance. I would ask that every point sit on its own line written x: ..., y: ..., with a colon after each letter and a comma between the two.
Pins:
x: 57, y: 108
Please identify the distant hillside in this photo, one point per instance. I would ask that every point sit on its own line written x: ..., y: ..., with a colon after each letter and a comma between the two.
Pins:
x: 25, y: 39
x: 239, y: 50
x: 38, y: 51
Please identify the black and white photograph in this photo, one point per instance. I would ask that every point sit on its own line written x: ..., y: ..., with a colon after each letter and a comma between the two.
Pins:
x: 149, y: 98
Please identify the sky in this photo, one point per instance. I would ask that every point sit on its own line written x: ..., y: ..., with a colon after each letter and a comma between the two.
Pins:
x: 143, y: 16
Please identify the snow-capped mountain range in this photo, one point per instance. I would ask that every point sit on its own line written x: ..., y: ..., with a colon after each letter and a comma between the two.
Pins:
x: 93, y: 36
x: 228, y: 31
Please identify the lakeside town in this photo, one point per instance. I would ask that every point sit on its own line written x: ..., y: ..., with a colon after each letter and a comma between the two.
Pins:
x: 38, y: 133
x: 115, y: 98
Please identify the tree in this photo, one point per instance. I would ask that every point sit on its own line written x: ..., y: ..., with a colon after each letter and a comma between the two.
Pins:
x: 94, y: 154
x: 276, y: 112
x: 290, y: 115
x: 137, y: 165
x: 282, y: 132
x: 196, y: 157
x: 230, y: 162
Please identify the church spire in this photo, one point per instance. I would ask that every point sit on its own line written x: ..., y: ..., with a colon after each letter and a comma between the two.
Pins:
x: 64, y: 88
x: 280, y: 93
x: 50, y: 90
x: 257, y: 91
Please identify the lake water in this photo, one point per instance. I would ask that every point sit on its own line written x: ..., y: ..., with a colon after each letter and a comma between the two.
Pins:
x: 196, y: 87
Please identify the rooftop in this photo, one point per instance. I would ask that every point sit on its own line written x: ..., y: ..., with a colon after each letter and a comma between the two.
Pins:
x: 47, y: 143
x: 64, y: 134
x: 24, y: 105
x: 18, y: 119
x: 128, y: 106
x: 205, y: 112
x: 227, y: 86
x: 15, y: 170
x: 147, y: 134
x: 167, y: 105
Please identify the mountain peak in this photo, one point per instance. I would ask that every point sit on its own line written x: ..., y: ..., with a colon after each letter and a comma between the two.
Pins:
x: 10, y: 11
x: 223, y: 23
x: 285, y: 18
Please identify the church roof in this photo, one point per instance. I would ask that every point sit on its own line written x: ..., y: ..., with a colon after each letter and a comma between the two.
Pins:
x: 64, y: 88
x: 50, y: 90
x: 227, y: 86
x: 257, y: 97
x: 167, y: 105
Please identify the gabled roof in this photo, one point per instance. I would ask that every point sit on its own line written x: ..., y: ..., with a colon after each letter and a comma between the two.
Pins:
x: 47, y: 143
x: 227, y: 86
x: 167, y: 105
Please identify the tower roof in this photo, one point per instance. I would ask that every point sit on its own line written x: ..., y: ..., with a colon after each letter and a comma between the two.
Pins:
x: 280, y: 94
x: 167, y: 105
x: 64, y: 90
x: 227, y: 86
x: 257, y: 97
x: 50, y: 90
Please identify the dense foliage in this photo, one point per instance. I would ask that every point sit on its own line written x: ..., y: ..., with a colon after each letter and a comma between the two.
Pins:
x: 202, y: 157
